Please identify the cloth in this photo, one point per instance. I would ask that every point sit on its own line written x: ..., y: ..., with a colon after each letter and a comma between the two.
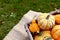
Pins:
x: 18, y: 31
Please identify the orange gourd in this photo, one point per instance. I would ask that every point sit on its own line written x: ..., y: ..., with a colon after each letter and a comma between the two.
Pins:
x: 34, y: 27
x: 57, y: 18
x: 56, y: 32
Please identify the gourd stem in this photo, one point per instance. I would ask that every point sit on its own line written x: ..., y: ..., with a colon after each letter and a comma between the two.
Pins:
x: 38, y: 32
x: 47, y: 17
x: 34, y: 17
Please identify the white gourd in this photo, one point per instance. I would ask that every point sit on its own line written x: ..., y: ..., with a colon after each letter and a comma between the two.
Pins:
x: 46, y: 21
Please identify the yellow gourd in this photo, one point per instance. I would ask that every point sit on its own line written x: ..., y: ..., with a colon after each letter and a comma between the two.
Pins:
x: 45, y: 35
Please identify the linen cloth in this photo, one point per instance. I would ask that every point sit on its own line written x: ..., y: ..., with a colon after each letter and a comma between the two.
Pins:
x: 18, y: 31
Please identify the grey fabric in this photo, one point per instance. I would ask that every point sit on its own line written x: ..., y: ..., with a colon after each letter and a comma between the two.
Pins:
x: 18, y: 32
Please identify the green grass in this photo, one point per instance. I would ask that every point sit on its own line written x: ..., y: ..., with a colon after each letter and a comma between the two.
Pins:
x: 11, y: 11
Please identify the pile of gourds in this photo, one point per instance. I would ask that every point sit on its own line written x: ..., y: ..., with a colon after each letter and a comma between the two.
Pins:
x: 47, y: 27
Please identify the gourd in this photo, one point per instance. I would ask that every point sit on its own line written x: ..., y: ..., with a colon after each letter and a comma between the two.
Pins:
x: 46, y: 21
x: 45, y: 35
x: 57, y: 18
x: 56, y: 32
x: 34, y: 27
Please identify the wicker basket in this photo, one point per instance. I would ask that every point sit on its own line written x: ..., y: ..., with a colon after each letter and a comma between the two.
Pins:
x: 26, y: 25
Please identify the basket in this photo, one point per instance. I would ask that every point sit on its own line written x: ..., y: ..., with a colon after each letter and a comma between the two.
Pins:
x: 26, y: 25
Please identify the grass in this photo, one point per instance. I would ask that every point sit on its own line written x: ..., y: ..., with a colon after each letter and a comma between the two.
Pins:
x: 11, y: 11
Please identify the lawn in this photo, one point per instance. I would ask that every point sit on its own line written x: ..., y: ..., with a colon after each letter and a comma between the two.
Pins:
x: 11, y: 11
